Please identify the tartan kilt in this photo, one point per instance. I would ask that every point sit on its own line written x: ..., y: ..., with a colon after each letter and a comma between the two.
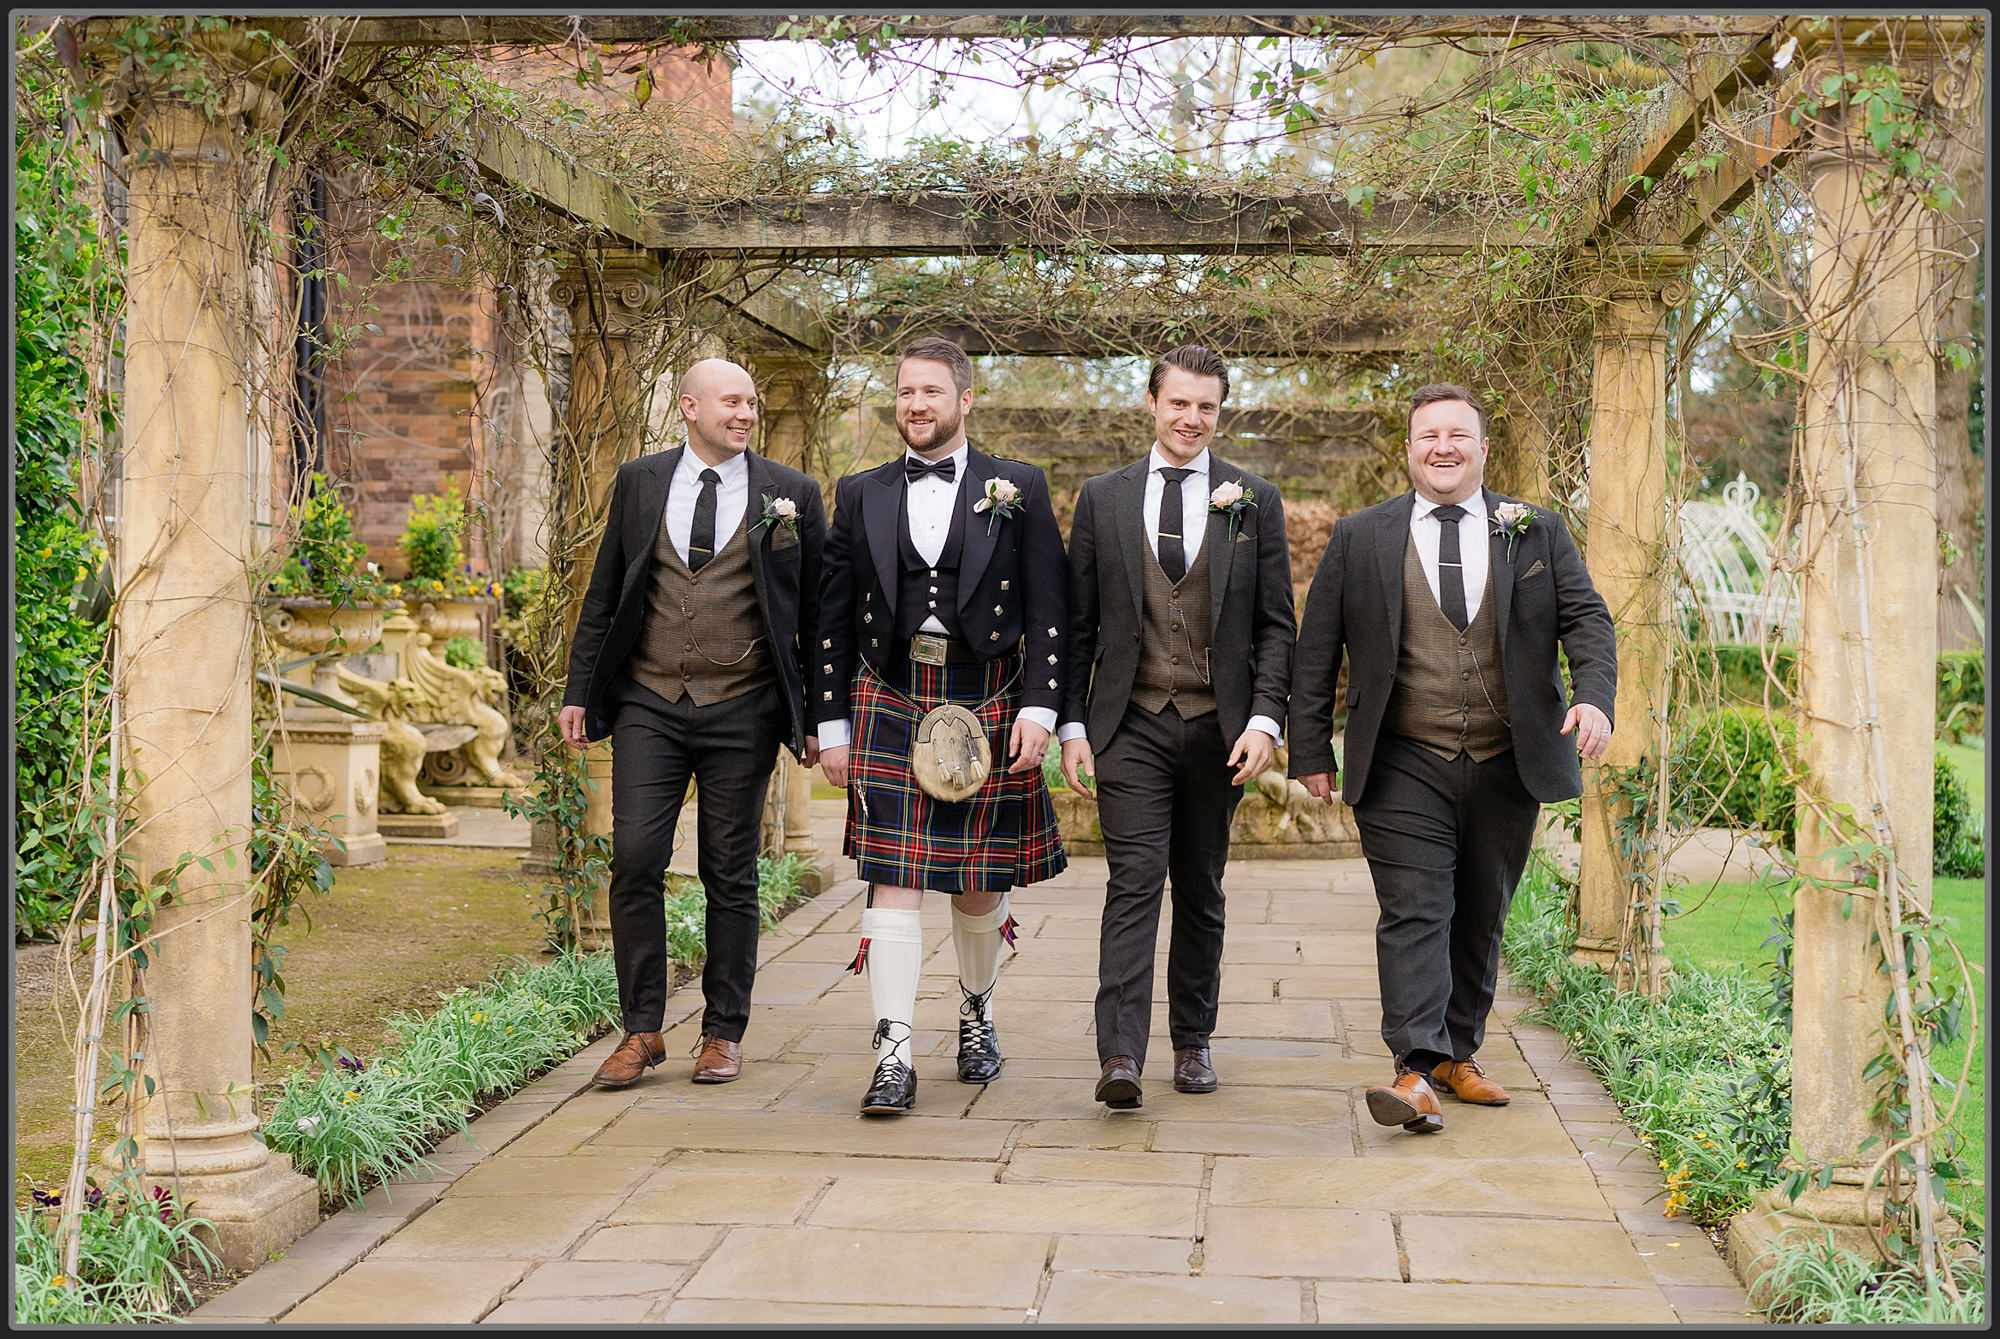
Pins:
x: 1004, y: 834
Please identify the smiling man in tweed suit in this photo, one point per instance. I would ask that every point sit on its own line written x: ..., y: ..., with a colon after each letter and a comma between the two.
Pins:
x: 690, y: 651
x: 1449, y: 603
x: 946, y: 582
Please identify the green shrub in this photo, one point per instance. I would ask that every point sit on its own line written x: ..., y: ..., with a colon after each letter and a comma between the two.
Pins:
x: 433, y: 544
x: 1737, y: 669
x: 464, y: 653
x: 1815, y: 1282
x: 1733, y: 764
x: 1958, y: 849
x: 326, y: 560
x: 61, y: 274
x: 1961, y: 695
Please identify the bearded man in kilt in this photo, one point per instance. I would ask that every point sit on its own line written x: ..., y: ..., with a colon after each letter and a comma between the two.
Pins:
x: 945, y: 583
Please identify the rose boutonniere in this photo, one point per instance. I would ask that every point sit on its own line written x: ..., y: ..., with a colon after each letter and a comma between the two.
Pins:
x: 1232, y: 500
x: 779, y: 511
x: 1003, y: 499
x: 1512, y: 519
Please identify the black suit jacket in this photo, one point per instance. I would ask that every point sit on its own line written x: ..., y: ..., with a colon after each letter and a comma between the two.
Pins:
x: 784, y: 565
x: 1013, y: 581
x: 1250, y: 597
x: 1543, y: 595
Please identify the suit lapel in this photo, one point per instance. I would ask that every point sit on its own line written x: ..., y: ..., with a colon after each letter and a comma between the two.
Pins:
x: 1393, y: 539
x: 982, y: 531
x: 1128, y: 526
x: 1221, y: 547
x: 1502, y: 570
x: 643, y: 521
x: 882, y: 523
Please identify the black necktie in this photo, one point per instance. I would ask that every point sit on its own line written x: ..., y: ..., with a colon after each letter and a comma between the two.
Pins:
x: 701, y: 541
x: 1173, y: 556
x: 1451, y: 570
x: 915, y: 469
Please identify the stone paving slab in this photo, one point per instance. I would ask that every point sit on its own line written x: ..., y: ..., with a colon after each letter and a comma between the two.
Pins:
x: 1273, y: 1200
x: 983, y: 1269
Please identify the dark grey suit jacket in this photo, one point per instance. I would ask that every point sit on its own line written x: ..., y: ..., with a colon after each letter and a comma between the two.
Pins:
x: 1250, y: 597
x: 1542, y: 595
x: 784, y: 565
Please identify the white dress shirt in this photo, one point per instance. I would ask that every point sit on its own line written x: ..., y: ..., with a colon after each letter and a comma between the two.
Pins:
x: 732, y: 497
x: 1194, y: 529
x: 931, y: 503
x: 1473, y: 548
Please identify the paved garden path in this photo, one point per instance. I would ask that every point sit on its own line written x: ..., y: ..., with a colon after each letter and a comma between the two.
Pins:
x: 1274, y: 1199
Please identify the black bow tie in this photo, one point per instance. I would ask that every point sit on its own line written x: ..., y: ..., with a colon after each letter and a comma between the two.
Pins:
x: 915, y: 469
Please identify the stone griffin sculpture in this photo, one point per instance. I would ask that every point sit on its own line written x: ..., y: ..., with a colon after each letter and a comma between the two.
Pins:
x: 403, y: 746
x: 446, y: 693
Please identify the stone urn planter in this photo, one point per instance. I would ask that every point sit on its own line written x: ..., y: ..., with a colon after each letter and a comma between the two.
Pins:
x: 447, y: 616
x: 308, y: 625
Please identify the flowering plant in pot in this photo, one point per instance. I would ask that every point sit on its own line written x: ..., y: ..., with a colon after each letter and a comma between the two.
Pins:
x: 442, y: 589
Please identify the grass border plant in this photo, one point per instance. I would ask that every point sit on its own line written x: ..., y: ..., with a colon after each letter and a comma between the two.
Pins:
x: 351, y: 1124
x: 1702, y: 1072
x: 136, y: 1252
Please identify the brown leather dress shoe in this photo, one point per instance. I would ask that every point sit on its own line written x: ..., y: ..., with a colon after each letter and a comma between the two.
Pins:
x: 1468, y: 1082
x: 1408, y: 1102
x: 1118, y: 1088
x: 717, y: 1061
x: 1192, y: 1073
x: 629, y: 1063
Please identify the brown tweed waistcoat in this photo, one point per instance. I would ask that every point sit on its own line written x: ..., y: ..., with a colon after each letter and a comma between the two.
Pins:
x: 703, y: 634
x: 1175, y: 630
x: 1450, y: 693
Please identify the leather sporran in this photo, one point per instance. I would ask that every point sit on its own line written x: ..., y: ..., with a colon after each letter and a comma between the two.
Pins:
x: 951, y: 757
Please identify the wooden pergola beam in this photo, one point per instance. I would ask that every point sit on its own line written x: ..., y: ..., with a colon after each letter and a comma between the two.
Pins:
x: 1116, y: 335
x: 484, y: 30
x: 1754, y: 153
x: 1674, y: 124
x: 943, y: 223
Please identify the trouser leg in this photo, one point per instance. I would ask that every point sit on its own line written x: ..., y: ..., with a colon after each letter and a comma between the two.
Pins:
x: 1497, y: 827
x: 1204, y: 804
x: 736, y: 749
x: 1409, y: 834
x: 1135, y: 801
x: 651, y: 763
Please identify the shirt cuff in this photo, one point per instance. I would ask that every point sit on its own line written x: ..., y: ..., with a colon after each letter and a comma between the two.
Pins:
x: 1264, y: 723
x: 1071, y: 730
x: 1042, y: 716
x: 834, y: 735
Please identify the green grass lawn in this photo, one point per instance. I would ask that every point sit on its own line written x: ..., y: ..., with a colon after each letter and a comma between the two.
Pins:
x: 1724, y: 930
x: 1970, y: 760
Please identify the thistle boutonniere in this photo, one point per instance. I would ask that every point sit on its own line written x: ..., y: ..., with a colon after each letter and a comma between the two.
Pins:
x: 1232, y: 500
x: 779, y: 511
x: 1003, y: 499
x: 1512, y: 519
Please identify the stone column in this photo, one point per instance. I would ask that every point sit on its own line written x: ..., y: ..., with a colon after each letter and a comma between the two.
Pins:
x: 610, y: 297
x: 185, y: 632
x: 1627, y: 553
x: 1868, y: 628
x: 790, y: 391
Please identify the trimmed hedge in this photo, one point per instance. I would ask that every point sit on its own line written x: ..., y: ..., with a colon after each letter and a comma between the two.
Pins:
x: 1731, y: 768
x: 1738, y: 667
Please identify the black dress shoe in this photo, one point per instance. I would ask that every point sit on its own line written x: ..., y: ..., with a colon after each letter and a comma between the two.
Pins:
x: 894, y: 1090
x: 1191, y: 1070
x: 1118, y: 1088
x: 978, y: 1051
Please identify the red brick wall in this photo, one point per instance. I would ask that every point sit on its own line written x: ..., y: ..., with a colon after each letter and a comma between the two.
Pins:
x: 403, y: 405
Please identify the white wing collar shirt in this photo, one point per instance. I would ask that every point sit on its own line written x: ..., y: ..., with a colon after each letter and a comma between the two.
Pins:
x: 1194, y: 529
x: 732, y: 497
x: 1473, y: 549
x: 930, y: 502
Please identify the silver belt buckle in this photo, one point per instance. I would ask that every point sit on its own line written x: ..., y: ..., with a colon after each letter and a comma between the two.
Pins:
x: 927, y: 648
